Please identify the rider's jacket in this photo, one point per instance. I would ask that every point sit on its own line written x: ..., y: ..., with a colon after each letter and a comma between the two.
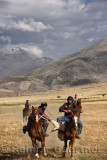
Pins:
x: 27, y: 105
x: 66, y: 106
x: 42, y: 113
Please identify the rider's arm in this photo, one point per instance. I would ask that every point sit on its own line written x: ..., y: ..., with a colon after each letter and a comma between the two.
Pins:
x: 62, y: 108
x: 40, y: 111
x: 46, y: 117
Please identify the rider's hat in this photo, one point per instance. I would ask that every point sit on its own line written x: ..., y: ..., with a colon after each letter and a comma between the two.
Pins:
x: 43, y: 103
x: 70, y: 98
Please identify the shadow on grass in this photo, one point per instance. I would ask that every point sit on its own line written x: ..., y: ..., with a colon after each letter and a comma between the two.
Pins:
x: 83, y: 157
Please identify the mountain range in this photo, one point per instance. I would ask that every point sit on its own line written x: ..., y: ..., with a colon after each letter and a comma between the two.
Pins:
x: 86, y: 66
x: 18, y: 61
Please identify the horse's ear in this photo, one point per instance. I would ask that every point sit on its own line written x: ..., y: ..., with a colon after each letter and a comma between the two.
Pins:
x: 32, y: 108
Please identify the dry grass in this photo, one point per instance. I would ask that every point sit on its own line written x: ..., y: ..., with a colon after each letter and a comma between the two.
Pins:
x: 93, y: 143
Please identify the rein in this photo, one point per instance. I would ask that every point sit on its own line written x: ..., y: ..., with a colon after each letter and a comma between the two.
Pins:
x: 41, y: 117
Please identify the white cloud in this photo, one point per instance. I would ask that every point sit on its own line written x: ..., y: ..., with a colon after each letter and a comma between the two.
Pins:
x: 29, y: 25
x: 56, y: 27
x: 5, y: 39
x: 30, y: 48
x: 35, y: 50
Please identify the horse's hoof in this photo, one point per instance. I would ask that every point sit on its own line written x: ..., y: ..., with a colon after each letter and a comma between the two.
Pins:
x: 69, y: 152
x: 37, y: 155
x: 64, y: 155
x: 45, y: 154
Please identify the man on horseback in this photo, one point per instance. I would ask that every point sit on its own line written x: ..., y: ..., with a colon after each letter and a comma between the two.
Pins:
x: 44, y: 118
x: 76, y: 101
x: 76, y: 98
x: 42, y: 108
x: 27, y: 104
x: 67, y: 108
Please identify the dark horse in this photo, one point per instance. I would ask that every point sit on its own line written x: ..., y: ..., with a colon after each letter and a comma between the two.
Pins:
x: 71, y: 130
x: 36, y: 131
x: 26, y: 113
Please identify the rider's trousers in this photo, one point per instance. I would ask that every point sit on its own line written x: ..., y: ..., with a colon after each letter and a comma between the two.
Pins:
x: 66, y: 119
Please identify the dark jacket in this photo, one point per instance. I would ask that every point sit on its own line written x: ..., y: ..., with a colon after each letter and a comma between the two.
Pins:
x: 66, y: 106
x: 74, y: 108
x: 41, y: 110
x: 27, y: 105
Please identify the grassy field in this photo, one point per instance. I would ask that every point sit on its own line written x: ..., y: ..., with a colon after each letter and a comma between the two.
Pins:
x: 93, y: 143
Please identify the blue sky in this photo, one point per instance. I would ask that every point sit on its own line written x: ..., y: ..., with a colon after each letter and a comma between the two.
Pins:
x: 88, y: 1
x: 52, y: 28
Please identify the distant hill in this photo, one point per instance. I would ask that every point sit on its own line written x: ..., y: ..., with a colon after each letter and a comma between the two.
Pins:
x: 87, y: 66
x: 17, y: 61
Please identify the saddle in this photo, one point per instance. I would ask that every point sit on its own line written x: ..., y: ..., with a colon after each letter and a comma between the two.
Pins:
x: 61, y: 132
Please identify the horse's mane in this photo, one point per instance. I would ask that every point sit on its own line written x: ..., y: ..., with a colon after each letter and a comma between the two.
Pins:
x: 75, y: 107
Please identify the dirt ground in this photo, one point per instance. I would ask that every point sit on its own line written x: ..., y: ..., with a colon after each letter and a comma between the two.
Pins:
x: 93, y: 143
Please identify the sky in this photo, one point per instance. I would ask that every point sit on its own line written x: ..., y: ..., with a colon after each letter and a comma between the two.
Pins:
x: 52, y: 28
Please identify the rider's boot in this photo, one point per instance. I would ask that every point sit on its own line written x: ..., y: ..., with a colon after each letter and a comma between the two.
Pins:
x: 27, y: 127
x: 45, y: 126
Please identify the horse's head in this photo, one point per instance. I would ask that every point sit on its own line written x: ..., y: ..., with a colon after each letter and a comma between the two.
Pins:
x: 79, y: 102
x: 75, y: 116
x: 35, y: 113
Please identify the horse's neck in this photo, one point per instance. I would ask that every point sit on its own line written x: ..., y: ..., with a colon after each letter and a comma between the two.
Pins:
x: 27, y: 108
x: 70, y: 123
x: 35, y: 124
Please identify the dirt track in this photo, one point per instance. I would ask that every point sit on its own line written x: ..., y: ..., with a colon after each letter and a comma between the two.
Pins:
x: 17, y: 146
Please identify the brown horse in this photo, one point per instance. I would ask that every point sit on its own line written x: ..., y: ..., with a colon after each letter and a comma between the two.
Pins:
x: 80, y: 107
x: 36, y: 131
x: 71, y: 131
x: 26, y: 113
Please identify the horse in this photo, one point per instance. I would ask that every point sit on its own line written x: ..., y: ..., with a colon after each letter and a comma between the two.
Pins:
x: 71, y: 131
x: 80, y: 107
x: 36, y: 132
x: 26, y: 113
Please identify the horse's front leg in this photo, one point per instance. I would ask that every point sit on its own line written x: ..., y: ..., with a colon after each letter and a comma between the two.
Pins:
x: 26, y: 118
x: 43, y: 147
x: 35, y: 147
x: 23, y: 119
x: 72, y: 147
x: 65, y: 147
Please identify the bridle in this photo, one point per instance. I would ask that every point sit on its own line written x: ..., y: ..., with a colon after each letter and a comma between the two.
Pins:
x: 75, y: 120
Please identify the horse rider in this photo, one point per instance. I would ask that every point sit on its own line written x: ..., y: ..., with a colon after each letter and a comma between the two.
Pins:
x: 44, y: 118
x: 67, y: 108
x: 76, y: 98
x: 27, y: 104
